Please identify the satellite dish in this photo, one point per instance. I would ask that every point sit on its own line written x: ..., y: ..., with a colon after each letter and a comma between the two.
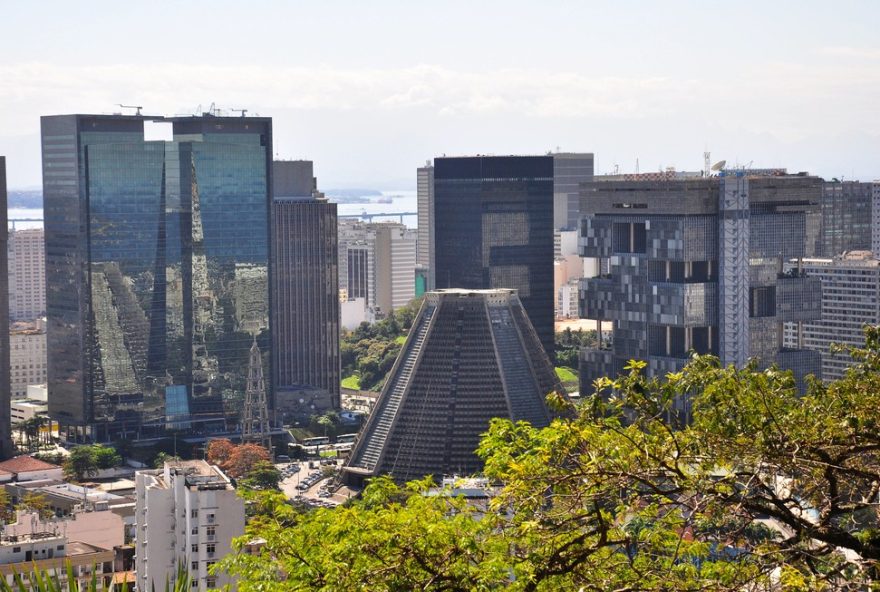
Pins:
x: 719, y: 165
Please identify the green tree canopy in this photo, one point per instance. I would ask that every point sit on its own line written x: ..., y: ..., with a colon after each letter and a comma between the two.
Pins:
x: 764, y: 490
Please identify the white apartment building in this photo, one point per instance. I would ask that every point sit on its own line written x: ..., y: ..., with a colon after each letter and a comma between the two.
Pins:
x: 27, y: 274
x: 188, y: 511
x: 27, y: 356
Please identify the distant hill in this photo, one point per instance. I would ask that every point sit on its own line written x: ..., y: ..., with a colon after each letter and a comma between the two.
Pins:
x: 25, y: 199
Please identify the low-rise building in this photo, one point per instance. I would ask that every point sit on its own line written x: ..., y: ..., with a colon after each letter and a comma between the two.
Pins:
x: 28, y: 468
x: 186, y: 512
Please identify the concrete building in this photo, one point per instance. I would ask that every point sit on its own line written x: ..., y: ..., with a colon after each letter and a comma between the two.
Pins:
x: 395, y: 260
x: 186, y: 515
x: 875, y: 218
x: 27, y: 274
x: 6, y: 448
x: 53, y: 553
x: 28, y: 468
x: 493, y: 228
x: 157, y: 258
x: 471, y: 355
x: 377, y: 262
x: 305, y: 289
x: 846, y: 218
x: 850, y: 300
x: 696, y: 264
x: 27, y: 356
x: 570, y: 169
x: 425, y: 243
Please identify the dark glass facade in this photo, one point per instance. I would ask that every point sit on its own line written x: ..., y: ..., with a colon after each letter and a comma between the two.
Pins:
x: 493, y: 228
x: 5, y: 427
x: 157, y: 270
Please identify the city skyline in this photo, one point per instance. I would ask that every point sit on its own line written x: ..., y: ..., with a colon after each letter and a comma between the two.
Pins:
x: 659, y: 83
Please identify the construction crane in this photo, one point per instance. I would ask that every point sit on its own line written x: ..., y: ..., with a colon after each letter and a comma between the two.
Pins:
x: 138, y: 107
x: 242, y: 111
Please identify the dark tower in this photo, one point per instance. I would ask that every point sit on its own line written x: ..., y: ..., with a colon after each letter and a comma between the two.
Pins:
x: 493, y: 228
x: 471, y: 355
x: 5, y: 427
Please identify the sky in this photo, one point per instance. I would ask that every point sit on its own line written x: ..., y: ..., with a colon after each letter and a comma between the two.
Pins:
x: 370, y: 90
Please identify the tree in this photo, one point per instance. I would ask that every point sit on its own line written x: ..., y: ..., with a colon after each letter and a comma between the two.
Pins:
x: 244, y: 457
x: 106, y: 457
x: 162, y: 458
x: 80, y: 463
x: 764, y: 490
x: 263, y: 475
x: 35, y: 502
x: 219, y: 451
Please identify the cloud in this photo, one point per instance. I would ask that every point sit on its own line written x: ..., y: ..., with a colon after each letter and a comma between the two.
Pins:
x: 844, y: 51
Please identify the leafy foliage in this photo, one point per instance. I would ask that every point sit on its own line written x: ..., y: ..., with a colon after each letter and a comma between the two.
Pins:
x: 369, y: 351
x: 236, y: 460
x: 568, y: 343
x: 764, y: 490
x: 86, y: 460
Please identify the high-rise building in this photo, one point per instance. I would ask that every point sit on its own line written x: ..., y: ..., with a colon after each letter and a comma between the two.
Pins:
x: 377, y: 262
x: 471, y: 355
x: 570, y: 169
x: 850, y: 300
x: 875, y: 218
x: 157, y: 257
x: 5, y: 429
x: 27, y: 356
x: 697, y: 265
x: 186, y: 515
x: 425, y: 244
x: 846, y: 218
x: 27, y: 274
x: 493, y: 228
x: 305, y: 293
x: 394, y: 256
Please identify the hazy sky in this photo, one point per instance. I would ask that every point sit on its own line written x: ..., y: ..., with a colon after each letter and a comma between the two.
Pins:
x: 371, y: 89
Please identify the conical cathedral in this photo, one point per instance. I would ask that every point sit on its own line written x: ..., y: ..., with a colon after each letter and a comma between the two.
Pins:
x: 471, y: 355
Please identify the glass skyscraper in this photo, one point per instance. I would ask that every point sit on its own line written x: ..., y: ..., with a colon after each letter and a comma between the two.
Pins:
x: 157, y: 258
x: 493, y: 228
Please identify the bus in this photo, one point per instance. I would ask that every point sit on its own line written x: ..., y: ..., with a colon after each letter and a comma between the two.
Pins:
x: 345, y: 438
x: 319, y: 441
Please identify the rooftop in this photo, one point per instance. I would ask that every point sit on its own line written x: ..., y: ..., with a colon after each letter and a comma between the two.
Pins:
x: 24, y: 464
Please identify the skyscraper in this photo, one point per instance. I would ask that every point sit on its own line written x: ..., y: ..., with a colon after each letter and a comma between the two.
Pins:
x: 27, y: 274
x: 471, y: 355
x: 850, y: 300
x: 493, y: 228
x: 570, y: 169
x: 696, y: 264
x: 305, y: 292
x: 425, y: 245
x: 157, y: 257
x: 846, y: 218
x: 5, y: 428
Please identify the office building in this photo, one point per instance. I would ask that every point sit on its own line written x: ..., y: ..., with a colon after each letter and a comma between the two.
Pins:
x: 875, y: 218
x: 27, y: 274
x: 27, y: 356
x: 5, y: 429
x: 493, y: 228
x: 846, y: 218
x: 425, y: 243
x: 570, y: 169
x: 850, y: 300
x: 471, y: 355
x: 157, y: 256
x: 305, y: 290
x: 186, y: 516
x: 377, y: 262
x: 696, y: 264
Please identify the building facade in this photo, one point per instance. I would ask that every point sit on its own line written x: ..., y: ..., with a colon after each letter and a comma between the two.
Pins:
x: 27, y: 274
x: 305, y: 292
x: 697, y: 265
x: 846, y: 218
x: 850, y: 300
x: 157, y: 257
x: 425, y: 243
x: 186, y: 517
x: 570, y: 169
x: 5, y: 429
x: 493, y: 228
x: 875, y: 218
x: 471, y: 355
x: 27, y: 356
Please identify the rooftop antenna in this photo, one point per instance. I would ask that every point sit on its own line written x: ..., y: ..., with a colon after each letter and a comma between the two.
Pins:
x: 242, y: 111
x: 637, y: 165
x: 138, y: 107
x: 706, y: 160
x: 718, y: 166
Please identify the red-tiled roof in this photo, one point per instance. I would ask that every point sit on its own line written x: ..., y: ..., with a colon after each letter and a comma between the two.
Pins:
x: 24, y: 464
